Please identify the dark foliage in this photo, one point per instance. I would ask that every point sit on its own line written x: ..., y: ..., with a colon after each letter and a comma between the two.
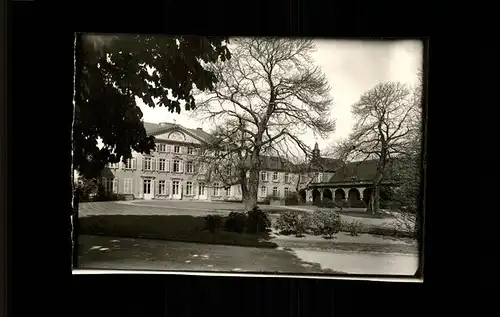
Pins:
x: 114, y: 72
x: 236, y: 222
x: 257, y: 221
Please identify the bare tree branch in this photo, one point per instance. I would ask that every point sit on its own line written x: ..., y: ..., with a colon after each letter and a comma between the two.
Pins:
x: 265, y: 96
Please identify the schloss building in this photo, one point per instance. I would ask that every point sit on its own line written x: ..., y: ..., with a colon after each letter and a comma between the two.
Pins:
x: 172, y: 172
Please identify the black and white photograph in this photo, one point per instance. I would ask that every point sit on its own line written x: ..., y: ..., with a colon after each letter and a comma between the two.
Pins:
x: 248, y: 155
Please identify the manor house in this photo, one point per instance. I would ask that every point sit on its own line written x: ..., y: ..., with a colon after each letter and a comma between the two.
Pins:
x: 172, y: 172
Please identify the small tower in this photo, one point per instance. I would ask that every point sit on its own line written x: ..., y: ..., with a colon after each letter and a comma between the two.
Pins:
x: 315, y: 152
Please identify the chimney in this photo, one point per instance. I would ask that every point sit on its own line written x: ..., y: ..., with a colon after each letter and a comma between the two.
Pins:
x: 199, y: 129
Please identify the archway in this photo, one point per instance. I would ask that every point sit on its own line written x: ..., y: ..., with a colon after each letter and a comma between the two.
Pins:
x: 316, y: 195
x: 327, y: 193
x: 354, y: 196
x: 339, y: 195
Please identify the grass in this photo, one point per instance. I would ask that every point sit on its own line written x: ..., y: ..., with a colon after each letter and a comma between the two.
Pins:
x: 172, y: 228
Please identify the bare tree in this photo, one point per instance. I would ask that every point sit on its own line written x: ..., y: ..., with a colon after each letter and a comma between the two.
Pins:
x: 266, y: 96
x: 385, y: 123
x: 407, y: 198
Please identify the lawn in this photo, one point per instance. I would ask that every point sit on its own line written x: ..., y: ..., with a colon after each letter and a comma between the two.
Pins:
x: 172, y: 228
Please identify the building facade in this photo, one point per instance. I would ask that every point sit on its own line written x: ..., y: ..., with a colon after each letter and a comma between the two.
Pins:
x: 172, y: 171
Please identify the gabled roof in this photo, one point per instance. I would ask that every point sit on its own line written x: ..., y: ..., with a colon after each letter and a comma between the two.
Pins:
x: 274, y: 163
x: 360, y: 171
x: 152, y: 128
x: 322, y: 164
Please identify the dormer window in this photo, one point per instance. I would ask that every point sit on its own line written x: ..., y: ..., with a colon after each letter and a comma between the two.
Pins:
x: 161, y: 147
x: 177, y: 149
x: 319, y: 178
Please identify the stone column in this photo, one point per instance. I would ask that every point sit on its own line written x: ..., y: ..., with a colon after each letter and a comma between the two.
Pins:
x: 360, y: 189
x: 309, y: 195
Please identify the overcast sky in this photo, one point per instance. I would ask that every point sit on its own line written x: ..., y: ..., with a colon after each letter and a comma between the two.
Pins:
x: 351, y: 66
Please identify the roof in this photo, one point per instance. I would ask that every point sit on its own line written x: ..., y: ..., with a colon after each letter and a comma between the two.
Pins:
x: 329, y: 164
x: 154, y: 127
x: 359, y: 171
x: 275, y: 163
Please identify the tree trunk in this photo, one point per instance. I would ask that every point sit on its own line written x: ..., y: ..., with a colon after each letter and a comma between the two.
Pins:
x: 253, y: 187
x: 244, y: 185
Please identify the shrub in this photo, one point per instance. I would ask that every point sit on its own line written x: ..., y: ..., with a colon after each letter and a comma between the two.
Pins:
x: 292, y: 199
x: 327, y: 222
x: 354, y: 227
x: 257, y: 221
x: 236, y: 222
x: 267, y: 200
x: 293, y: 222
x: 213, y: 223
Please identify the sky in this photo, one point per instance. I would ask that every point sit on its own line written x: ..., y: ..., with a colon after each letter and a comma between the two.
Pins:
x: 352, y: 67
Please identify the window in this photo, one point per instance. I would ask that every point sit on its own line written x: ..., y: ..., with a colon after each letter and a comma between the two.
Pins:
x: 127, y: 185
x: 190, y: 150
x: 110, y: 185
x: 287, y: 177
x: 275, y: 191
x: 263, y: 191
x: 175, y: 188
x: 189, y: 188
x: 287, y: 191
x: 228, y: 191
x: 216, y: 189
x: 161, y: 147
x: 275, y: 176
x: 162, y: 188
x: 147, y: 164
x: 177, y: 149
x: 163, y: 165
x: 128, y: 164
x: 176, y: 166
x: 201, y: 189
x: 189, y: 167
x: 147, y: 186
x: 112, y: 165
x: 263, y: 176
x: 320, y: 177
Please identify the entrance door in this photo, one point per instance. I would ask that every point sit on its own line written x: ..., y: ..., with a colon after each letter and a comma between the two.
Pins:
x: 148, y: 189
x: 202, y: 191
x: 176, y: 190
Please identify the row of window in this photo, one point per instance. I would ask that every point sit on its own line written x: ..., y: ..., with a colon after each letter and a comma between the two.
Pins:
x: 276, y: 176
x: 158, y: 164
x: 169, y: 148
x: 164, y: 165
x: 111, y: 185
x: 179, y: 166
x: 276, y: 191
